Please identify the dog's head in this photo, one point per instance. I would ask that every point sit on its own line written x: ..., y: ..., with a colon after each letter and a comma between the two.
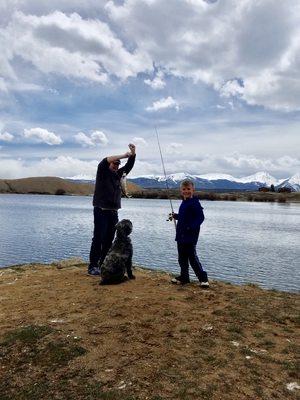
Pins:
x: 124, y: 227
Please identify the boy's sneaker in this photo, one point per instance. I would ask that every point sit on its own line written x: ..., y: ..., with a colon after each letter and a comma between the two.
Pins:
x: 179, y: 281
x: 204, y: 284
x: 94, y: 271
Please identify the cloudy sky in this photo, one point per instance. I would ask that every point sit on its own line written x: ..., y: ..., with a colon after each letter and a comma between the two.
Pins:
x: 79, y: 80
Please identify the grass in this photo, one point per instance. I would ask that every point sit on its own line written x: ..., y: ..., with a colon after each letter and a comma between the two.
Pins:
x: 292, y: 368
x: 30, y: 352
x: 27, y: 335
x: 268, y: 344
x: 235, y: 329
x: 58, y: 354
x: 259, y: 335
x: 45, y: 390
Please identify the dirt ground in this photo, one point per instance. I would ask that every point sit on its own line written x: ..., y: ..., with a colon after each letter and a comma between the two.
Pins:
x: 65, y: 337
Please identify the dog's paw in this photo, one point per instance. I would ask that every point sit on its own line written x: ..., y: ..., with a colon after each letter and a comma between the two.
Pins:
x: 131, y: 276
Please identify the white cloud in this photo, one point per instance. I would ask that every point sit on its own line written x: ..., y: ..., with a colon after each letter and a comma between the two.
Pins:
x: 83, y: 139
x: 99, y: 137
x: 255, y: 41
x: 68, y: 166
x: 174, y: 148
x: 231, y: 88
x: 215, y: 42
x: 250, y: 163
x: 142, y: 167
x: 63, y: 166
x: 157, y: 83
x: 41, y: 135
x: 3, y: 85
x: 96, y: 137
x: 164, y: 103
x: 237, y: 165
x: 139, y: 141
x: 71, y: 46
x: 6, y: 137
x: 12, y: 169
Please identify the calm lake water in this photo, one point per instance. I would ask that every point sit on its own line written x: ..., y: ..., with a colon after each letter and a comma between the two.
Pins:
x: 239, y: 242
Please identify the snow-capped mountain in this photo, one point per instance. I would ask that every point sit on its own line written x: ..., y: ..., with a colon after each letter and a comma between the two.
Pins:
x: 213, y: 181
x: 215, y: 177
x: 261, y: 177
x: 292, y: 183
x: 217, y: 181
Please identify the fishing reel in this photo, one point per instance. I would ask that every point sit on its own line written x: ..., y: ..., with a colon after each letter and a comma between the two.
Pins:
x: 170, y: 217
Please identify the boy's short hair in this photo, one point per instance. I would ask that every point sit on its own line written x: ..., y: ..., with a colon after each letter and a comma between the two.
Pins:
x: 187, y: 182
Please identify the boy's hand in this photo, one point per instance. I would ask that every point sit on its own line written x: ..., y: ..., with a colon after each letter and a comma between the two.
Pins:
x: 132, y: 148
x: 170, y: 216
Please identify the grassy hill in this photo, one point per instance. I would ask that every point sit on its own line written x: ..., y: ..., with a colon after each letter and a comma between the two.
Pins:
x: 50, y: 185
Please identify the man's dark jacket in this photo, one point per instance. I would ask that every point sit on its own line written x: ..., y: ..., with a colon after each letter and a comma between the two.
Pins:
x: 189, y: 219
x: 108, y: 184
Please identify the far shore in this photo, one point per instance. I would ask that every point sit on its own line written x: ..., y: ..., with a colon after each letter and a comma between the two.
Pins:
x: 60, y: 187
x: 269, y: 197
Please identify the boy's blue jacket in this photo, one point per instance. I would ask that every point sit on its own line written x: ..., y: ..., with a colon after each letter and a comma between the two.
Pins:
x: 189, y: 219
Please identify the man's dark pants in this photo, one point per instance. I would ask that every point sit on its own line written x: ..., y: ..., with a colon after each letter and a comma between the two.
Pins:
x: 104, y: 231
x: 187, y: 254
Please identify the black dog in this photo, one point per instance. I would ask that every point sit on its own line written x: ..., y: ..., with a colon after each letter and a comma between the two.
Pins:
x: 119, y: 258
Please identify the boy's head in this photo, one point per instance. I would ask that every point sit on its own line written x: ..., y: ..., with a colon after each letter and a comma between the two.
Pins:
x: 187, y: 189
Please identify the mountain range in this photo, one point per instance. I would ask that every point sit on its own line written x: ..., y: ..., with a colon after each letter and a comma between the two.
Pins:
x: 211, y: 181
x: 218, y: 181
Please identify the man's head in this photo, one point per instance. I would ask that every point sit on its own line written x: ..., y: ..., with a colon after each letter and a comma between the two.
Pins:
x: 187, y: 189
x: 114, y: 166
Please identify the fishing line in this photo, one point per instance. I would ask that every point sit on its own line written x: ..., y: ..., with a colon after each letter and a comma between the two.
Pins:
x: 164, y: 170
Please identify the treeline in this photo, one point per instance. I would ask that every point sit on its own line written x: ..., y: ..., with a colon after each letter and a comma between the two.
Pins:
x: 284, y: 189
x: 215, y: 196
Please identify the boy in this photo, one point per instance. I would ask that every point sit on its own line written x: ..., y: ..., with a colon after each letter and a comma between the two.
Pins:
x: 189, y: 219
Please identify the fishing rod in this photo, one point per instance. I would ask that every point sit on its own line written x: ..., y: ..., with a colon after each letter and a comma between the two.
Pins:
x: 164, y: 170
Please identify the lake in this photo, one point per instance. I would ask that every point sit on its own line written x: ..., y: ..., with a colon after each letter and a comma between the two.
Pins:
x: 240, y: 242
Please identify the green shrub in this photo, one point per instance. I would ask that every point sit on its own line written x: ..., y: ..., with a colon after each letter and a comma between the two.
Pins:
x: 60, y: 192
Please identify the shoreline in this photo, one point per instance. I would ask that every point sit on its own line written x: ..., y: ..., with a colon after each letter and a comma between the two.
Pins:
x: 64, y: 336
x: 63, y: 187
x: 77, y: 261
x: 250, y: 197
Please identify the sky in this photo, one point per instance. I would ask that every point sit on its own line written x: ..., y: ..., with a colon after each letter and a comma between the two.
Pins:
x: 80, y: 80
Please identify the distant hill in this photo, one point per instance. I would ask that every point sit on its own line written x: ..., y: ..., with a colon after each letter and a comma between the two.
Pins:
x: 51, y: 185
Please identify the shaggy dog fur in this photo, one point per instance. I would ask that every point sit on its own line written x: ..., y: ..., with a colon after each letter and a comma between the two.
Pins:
x: 119, y: 258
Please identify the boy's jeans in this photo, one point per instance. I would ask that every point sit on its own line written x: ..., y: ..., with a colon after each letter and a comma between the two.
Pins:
x: 187, y: 254
x: 104, y: 231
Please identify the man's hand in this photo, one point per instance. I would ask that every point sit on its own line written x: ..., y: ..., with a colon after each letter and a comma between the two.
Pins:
x: 132, y: 148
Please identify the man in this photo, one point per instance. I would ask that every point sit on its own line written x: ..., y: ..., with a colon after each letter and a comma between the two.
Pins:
x: 106, y: 202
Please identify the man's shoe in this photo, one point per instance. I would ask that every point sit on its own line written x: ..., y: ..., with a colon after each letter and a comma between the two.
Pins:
x: 204, y: 284
x: 94, y: 271
x: 179, y: 281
